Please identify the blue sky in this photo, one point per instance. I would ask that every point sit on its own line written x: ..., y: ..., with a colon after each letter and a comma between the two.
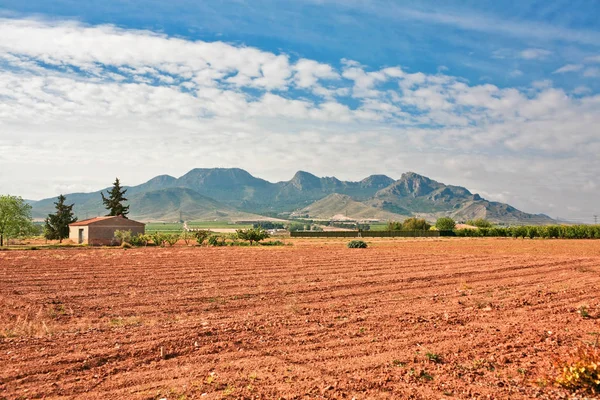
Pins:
x: 501, y: 97
x: 477, y: 40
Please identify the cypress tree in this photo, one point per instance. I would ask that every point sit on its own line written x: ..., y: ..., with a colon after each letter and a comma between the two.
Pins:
x: 113, y: 203
x: 57, y: 224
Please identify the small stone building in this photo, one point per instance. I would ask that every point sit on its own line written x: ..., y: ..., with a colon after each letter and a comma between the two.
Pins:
x: 101, y: 230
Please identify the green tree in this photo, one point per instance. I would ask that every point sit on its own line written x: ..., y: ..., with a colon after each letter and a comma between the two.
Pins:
x: 445, y: 224
x: 57, y: 224
x: 187, y: 236
x: 252, y: 234
x: 201, y: 236
x: 394, y: 226
x: 114, y: 202
x: 415, y: 224
x: 15, y: 217
x: 171, y: 238
x: 480, y: 223
x: 295, y: 227
x: 158, y: 238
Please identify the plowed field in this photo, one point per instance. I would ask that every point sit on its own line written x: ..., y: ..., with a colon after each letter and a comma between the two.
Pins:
x: 443, y: 318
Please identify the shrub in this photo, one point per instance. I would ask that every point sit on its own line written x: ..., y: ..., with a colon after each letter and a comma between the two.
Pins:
x: 123, y: 236
x: 394, y: 226
x: 158, y: 238
x: 187, y: 237
x: 445, y: 224
x: 140, y: 240
x: 519, y: 232
x: 480, y: 223
x: 201, y: 236
x: 415, y: 224
x: 171, y: 238
x: 580, y: 372
x: 296, y: 226
x: 357, y: 244
x: 272, y: 243
x: 268, y: 225
x: 252, y: 234
x: 217, y: 241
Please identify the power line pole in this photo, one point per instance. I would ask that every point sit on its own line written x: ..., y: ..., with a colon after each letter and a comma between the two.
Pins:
x: 595, y: 220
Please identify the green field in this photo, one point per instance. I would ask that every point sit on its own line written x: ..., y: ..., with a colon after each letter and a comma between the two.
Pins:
x: 163, y: 227
x: 217, y: 225
x: 379, y: 226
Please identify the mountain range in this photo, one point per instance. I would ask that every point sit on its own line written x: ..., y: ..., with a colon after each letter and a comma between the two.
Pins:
x: 232, y: 194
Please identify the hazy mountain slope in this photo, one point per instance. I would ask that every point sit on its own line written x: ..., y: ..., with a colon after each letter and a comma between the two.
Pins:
x: 233, y: 190
x: 305, y: 188
x: 231, y: 186
x: 87, y: 205
x: 171, y: 203
x: 414, y: 194
x: 499, y: 213
x: 340, y: 206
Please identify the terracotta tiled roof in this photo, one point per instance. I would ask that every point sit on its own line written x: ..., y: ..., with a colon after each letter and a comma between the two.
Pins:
x: 89, y: 221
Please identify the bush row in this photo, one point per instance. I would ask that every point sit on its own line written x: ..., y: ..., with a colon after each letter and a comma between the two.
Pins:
x: 548, y: 232
x: 243, y: 237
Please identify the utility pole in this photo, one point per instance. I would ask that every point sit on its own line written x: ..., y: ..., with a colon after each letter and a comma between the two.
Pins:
x: 595, y: 220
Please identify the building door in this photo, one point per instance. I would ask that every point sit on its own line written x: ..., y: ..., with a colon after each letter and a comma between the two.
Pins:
x: 80, y: 236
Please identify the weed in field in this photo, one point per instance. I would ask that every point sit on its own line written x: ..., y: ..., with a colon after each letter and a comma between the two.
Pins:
x: 57, y: 310
x: 125, y: 321
x: 433, y: 357
x: 584, y: 312
x: 482, y: 363
x: 211, y: 378
x: 24, y: 326
x: 228, y: 390
x: 425, y: 375
x: 580, y: 370
x: 398, y: 363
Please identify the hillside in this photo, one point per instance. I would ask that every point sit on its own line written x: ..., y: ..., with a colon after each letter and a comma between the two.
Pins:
x: 499, y: 213
x: 414, y: 194
x: 339, y: 206
x: 173, y: 203
x: 225, y: 193
x: 153, y: 205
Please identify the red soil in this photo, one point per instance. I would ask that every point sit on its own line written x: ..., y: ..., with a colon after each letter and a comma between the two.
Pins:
x: 314, y: 320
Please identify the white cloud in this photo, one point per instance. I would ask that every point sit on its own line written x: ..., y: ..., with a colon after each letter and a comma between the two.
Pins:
x: 110, y: 100
x: 569, y: 68
x: 516, y: 73
x: 472, y: 21
x: 581, y: 90
x: 593, y: 72
x: 534, y: 54
x: 308, y: 73
x: 593, y: 59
